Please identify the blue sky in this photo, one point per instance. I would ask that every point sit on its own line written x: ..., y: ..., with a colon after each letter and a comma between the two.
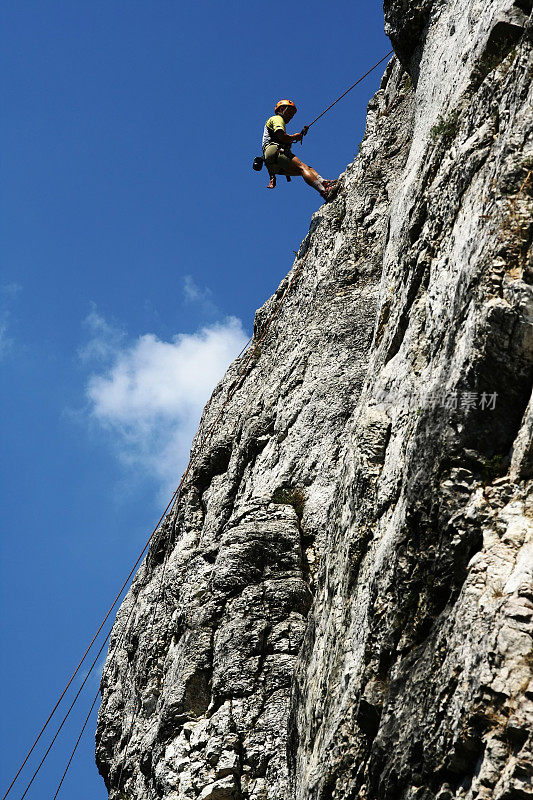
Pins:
x: 136, y: 245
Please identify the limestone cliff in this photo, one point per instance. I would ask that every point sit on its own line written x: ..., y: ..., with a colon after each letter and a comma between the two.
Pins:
x: 340, y: 604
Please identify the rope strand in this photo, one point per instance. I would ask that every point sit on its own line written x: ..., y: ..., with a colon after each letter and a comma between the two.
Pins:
x: 87, y: 718
x: 351, y: 87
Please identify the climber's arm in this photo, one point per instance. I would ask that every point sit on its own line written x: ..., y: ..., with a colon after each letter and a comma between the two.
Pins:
x: 286, y: 138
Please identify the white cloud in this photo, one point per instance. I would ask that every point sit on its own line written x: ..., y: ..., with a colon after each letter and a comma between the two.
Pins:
x: 149, y: 393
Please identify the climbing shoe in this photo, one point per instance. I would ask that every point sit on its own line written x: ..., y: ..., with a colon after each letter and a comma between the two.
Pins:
x: 331, y: 191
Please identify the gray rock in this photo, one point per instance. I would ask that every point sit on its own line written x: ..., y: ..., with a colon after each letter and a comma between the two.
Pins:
x: 340, y: 605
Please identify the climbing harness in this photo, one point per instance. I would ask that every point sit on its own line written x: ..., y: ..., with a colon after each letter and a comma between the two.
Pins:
x: 259, y: 160
x: 258, y: 165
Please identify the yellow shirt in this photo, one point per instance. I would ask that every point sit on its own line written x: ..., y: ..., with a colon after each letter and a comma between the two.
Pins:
x: 273, y: 124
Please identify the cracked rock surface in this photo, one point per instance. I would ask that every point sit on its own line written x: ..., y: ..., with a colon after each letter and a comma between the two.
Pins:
x: 340, y: 604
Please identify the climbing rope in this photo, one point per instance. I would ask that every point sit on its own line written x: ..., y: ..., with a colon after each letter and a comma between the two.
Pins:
x: 358, y: 81
x: 171, y: 502
x: 87, y: 718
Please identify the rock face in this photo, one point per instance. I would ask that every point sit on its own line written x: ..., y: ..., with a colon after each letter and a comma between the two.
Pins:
x: 340, y: 604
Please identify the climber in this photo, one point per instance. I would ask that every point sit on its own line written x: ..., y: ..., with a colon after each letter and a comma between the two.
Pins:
x: 278, y: 157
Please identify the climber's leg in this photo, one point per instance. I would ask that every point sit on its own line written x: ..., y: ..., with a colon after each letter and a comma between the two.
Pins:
x: 310, y: 175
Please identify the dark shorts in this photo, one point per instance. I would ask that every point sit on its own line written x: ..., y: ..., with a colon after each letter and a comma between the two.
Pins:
x: 279, y: 161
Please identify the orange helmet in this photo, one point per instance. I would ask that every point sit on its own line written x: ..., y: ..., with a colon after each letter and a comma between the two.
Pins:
x: 285, y: 103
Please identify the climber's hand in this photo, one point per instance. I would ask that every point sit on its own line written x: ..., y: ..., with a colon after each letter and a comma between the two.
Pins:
x: 304, y: 130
